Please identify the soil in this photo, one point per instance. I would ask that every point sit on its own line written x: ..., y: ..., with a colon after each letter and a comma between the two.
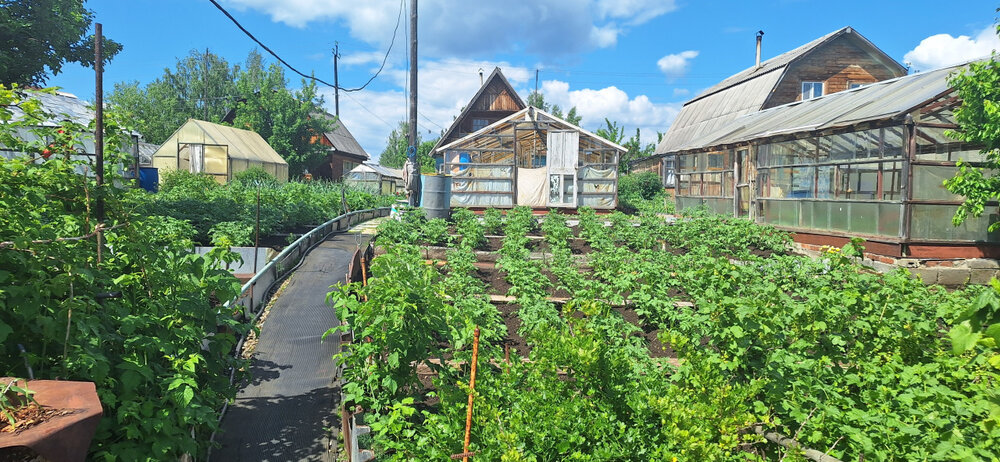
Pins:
x: 493, y: 244
x: 651, y: 334
x: 493, y: 278
x: 517, y: 345
x: 560, y: 292
x: 31, y: 415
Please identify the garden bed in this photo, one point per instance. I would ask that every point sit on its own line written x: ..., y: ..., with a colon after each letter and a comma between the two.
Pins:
x: 634, y: 338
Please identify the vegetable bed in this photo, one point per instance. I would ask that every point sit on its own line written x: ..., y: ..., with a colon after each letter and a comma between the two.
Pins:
x: 659, y: 341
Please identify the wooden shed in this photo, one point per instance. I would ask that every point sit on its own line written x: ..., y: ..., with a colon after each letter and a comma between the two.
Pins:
x: 218, y: 150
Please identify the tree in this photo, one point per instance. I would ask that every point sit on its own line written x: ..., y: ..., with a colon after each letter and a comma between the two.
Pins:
x: 205, y: 86
x: 283, y: 118
x: 634, y: 149
x: 537, y: 100
x: 201, y: 86
x: 394, y: 154
x: 978, y: 118
x: 38, y: 36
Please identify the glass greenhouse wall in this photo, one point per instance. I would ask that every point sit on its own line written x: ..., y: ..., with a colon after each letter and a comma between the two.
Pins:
x: 851, y: 184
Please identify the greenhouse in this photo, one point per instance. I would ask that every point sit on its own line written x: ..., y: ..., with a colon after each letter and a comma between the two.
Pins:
x: 217, y: 150
x: 376, y: 178
x: 535, y: 159
x: 867, y: 162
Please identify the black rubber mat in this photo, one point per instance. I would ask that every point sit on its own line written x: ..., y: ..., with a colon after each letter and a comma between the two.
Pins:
x: 287, y: 410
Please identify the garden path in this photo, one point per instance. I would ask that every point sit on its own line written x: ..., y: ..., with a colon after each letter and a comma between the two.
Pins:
x: 287, y: 410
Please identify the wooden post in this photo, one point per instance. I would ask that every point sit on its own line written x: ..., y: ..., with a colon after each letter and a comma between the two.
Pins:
x: 99, y: 119
x: 413, y: 76
x: 336, y: 80
x: 472, y: 389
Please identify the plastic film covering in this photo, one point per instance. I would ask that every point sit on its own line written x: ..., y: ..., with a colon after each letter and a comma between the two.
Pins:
x: 483, y: 186
x: 598, y: 186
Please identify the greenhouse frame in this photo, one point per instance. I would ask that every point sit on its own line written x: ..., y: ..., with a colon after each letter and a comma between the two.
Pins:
x: 534, y: 159
x: 868, y: 162
x: 217, y: 150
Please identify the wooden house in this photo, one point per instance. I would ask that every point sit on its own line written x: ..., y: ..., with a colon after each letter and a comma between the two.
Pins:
x: 344, y: 151
x: 867, y: 161
x: 838, y: 61
x: 495, y: 100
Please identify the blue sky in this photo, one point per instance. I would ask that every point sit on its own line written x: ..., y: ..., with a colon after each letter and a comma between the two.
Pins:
x: 631, y: 61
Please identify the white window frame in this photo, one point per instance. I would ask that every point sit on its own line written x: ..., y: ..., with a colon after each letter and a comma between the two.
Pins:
x: 812, y: 89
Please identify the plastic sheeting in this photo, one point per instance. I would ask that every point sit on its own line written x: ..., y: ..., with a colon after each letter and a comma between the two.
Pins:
x: 598, y: 180
x: 478, y: 187
x: 532, y: 186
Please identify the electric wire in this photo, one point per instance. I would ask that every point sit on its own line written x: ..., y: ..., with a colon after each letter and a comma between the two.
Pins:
x: 316, y: 79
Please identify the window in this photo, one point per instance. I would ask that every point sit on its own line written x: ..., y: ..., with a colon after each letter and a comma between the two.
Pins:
x: 479, y: 124
x: 811, y: 90
x: 853, y: 85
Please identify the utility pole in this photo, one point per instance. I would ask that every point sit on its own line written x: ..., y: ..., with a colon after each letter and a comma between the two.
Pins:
x: 413, y: 73
x: 99, y: 122
x: 336, y: 80
x: 204, y: 85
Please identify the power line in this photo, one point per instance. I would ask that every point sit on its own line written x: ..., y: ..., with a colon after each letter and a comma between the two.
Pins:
x: 370, y: 112
x: 293, y: 69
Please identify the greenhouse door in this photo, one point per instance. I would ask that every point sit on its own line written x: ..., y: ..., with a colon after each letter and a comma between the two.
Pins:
x: 563, y: 152
x: 742, y: 170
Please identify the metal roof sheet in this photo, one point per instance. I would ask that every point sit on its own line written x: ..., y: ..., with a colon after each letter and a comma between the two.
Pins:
x: 60, y: 107
x: 371, y: 167
x: 877, y: 101
x: 746, y: 92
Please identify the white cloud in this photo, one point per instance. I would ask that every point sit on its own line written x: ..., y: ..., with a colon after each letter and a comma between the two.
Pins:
x: 681, y: 92
x: 444, y: 88
x: 615, y: 105
x: 635, y: 12
x: 675, y: 65
x: 458, y: 28
x: 943, y: 50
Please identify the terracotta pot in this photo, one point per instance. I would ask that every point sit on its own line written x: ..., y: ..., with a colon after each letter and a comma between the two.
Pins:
x: 63, y: 437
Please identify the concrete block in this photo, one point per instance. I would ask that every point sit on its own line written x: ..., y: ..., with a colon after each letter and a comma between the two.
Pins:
x: 908, y: 262
x: 954, y: 276
x: 928, y: 276
x: 982, y: 276
x: 982, y: 263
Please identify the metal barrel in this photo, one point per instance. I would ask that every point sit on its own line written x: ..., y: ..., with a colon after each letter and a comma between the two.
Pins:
x: 436, y: 195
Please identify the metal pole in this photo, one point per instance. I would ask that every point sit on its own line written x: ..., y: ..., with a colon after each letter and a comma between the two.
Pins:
x: 99, y: 119
x: 336, y: 80
x: 413, y: 73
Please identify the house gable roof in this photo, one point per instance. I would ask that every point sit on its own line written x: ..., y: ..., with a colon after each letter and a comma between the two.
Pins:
x: 533, y: 113
x: 749, y: 90
x: 496, y: 78
x: 341, y: 138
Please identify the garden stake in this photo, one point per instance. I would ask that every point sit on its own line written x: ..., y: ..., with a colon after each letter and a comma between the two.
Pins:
x: 472, y: 389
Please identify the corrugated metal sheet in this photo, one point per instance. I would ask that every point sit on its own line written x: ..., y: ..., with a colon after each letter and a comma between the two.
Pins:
x: 876, y: 101
x: 707, y: 115
x: 61, y: 107
x: 743, y: 93
x: 370, y: 167
x: 770, y: 65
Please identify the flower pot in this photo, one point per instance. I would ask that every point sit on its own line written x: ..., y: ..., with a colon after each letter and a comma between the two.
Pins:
x: 65, y: 436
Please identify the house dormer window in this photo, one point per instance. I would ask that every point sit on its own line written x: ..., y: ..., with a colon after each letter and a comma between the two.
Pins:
x: 811, y: 90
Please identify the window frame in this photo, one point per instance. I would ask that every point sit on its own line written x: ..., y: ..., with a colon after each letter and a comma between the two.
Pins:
x: 812, y: 87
